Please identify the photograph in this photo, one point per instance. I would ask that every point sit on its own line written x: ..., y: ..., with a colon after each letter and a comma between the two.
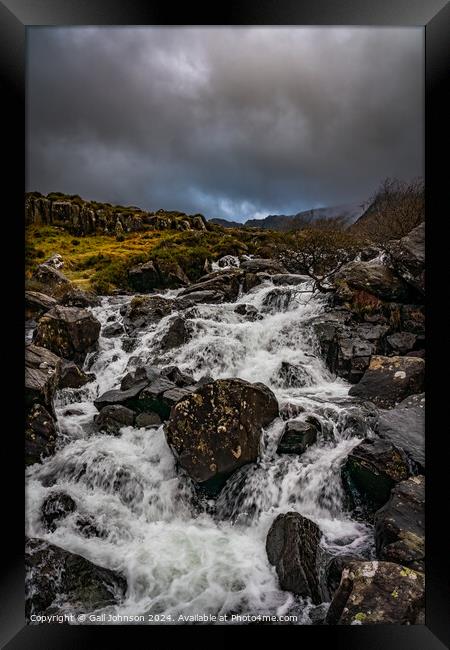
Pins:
x: 225, y: 325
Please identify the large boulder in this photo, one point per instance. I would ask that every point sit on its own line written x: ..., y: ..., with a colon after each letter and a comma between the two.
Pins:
x: 113, y: 417
x: 292, y: 544
x: 57, y: 579
x: 407, y: 256
x: 388, y: 380
x: 400, y: 525
x: 69, y: 332
x: 150, y: 276
x: 377, y: 593
x: 52, y: 279
x: 372, y: 469
x: 260, y: 265
x: 40, y: 434
x: 375, y: 278
x: 37, y: 304
x: 217, y: 429
x: 146, y: 310
x: 42, y: 371
x: 404, y: 426
x: 297, y: 437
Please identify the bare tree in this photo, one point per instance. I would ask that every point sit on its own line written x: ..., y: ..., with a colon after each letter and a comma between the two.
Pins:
x: 320, y: 253
x: 395, y: 209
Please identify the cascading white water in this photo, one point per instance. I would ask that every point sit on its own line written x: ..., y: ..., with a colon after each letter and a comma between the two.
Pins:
x: 180, y: 553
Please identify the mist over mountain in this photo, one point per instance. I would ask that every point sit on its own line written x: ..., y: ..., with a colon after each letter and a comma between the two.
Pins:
x: 349, y: 212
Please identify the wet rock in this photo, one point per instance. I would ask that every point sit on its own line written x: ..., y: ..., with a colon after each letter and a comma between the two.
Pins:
x: 289, y: 410
x: 40, y: 434
x: 205, y: 296
x: 297, y: 437
x: 128, y: 398
x: 176, y: 335
x: 56, y: 507
x: 74, y: 297
x: 402, y: 342
x: 153, y: 397
x: 292, y: 544
x: 377, y: 593
x: 179, y: 378
x: 89, y: 528
x: 388, y: 380
x: 277, y: 300
x: 112, y: 418
x: 37, y: 304
x: 257, y: 265
x: 373, y: 277
x: 113, y: 330
x: 146, y: 310
x: 404, y: 426
x: 69, y: 332
x: 71, y: 376
x: 42, y: 369
x: 228, y: 260
x: 129, y: 343
x: 291, y: 376
x: 372, y: 469
x: 225, y: 282
x: 217, y: 429
x: 142, y: 374
x: 407, y: 256
x: 58, y: 579
x: 400, y: 525
x: 147, y: 420
x: 333, y: 572
x: 249, y: 311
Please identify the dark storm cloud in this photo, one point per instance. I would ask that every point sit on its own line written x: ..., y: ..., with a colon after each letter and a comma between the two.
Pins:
x: 228, y: 122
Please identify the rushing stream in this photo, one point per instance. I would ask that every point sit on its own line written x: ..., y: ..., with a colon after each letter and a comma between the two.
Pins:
x: 182, y: 554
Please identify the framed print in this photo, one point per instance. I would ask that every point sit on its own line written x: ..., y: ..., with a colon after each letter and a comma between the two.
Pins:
x: 230, y: 400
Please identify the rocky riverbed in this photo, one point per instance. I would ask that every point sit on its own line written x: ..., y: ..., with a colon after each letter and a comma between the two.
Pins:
x: 238, y: 446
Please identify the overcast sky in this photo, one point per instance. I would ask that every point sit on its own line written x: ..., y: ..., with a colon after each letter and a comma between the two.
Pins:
x: 229, y: 122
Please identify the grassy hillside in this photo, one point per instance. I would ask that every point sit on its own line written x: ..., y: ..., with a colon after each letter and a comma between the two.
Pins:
x: 101, y: 263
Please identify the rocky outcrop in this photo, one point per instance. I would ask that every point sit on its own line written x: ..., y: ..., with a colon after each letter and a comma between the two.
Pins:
x: 388, y: 380
x: 372, y: 469
x: 292, y: 544
x: 407, y: 256
x: 74, y: 297
x: 218, y: 428
x: 113, y: 417
x: 400, y: 525
x: 56, y: 507
x: 40, y: 434
x: 81, y: 217
x: 58, y: 579
x: 374, y: 277
x: 37, y: 304
x: 69, y: 332
x: 297, y: 437
x: 228, y: 260
x: 112, y: 330
x: 377, y: 593
x: 404, y: 426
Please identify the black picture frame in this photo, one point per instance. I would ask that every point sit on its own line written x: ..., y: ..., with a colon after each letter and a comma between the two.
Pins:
x: 15, y: 17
